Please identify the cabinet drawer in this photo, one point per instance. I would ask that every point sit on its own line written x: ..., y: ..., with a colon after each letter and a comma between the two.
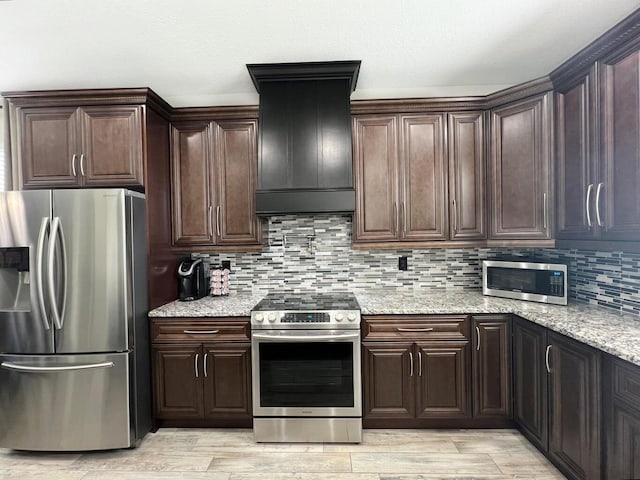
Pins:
x: 415, y: 327
x: 198, y: 331
x: 626, y: 382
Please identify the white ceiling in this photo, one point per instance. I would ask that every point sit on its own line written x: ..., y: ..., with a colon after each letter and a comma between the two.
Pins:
x: 193, y: 52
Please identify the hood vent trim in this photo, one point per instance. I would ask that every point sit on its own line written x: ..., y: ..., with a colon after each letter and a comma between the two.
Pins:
x: 305, y: 162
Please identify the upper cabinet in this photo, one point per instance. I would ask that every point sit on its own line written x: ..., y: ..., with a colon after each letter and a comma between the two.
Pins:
x: 520, y: 170
x: 213, y: 183
x: 617, y: 193
x: 83, y: 138
x: 405, y: 172
x: 467, y: 210
x: 576, y: 158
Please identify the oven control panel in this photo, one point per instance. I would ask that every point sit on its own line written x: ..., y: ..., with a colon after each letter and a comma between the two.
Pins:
x: 305, y: 319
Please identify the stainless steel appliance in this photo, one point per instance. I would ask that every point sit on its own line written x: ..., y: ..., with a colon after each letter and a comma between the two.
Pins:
x: 306, y: 368
x: 191, y: 280
x: 525, y: 280
x: 74, y: 353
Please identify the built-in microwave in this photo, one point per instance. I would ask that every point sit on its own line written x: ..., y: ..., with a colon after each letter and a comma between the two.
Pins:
x: 525, y: 280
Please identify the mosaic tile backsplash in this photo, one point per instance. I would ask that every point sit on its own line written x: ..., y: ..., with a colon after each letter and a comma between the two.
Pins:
x: 314, y: 253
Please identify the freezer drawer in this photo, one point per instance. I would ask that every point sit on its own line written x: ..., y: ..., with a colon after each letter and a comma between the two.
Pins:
x: 65, y: 402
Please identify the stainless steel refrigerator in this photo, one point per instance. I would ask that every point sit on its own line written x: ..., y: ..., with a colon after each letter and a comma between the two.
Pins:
x: 74, y: 351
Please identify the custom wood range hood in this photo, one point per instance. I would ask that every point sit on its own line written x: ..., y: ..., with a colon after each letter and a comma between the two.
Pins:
x: 305, y: 153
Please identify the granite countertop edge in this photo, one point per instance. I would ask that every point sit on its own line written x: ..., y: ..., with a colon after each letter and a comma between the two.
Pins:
x: 612, y: 332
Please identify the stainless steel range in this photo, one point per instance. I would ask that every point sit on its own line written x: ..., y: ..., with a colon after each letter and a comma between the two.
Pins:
x: 306, y: 368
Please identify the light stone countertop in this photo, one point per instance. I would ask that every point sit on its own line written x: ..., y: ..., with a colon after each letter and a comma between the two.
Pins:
x: 601, y: 328
x: 232, y: 305
x: 612, y: 332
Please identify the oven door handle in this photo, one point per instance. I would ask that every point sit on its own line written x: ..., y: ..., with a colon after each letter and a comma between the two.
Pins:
x: 347, y: 336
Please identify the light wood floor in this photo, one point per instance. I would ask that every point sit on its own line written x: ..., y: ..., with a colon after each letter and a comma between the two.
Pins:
x: 231, y: 454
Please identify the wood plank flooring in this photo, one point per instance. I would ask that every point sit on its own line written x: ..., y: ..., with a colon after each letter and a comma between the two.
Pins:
x: 231, y: 454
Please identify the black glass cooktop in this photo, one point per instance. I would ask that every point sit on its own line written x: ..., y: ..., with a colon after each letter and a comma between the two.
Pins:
x: 280, y: 301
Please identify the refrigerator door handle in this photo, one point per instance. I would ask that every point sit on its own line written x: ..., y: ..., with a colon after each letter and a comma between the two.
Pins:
x: 44, y: 227
x: 57, y: 231
x: 28, y: 368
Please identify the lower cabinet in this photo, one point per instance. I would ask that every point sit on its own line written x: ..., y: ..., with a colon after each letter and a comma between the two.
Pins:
x: 198, y: 379
x: 621, y: 382
x: 557, y: 392
x: 415, y: 370
x: 491, y: 366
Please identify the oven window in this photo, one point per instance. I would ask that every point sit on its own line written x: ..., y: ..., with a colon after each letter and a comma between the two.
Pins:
x: 306, y: 374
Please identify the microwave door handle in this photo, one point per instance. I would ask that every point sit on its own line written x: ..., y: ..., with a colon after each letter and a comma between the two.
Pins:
x: 44, y: 228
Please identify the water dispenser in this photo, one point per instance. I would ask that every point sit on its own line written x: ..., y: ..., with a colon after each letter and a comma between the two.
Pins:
x: 15, y: 280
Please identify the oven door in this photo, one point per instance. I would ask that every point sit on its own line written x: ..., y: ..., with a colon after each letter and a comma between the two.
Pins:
x: 306, y: 373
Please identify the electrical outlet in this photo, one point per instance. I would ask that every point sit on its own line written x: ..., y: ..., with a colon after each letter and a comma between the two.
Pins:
x: 402, y: 263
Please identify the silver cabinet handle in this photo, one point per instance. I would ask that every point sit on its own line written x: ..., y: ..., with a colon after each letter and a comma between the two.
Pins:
x: 403, y: 218
x: 73, y: 165
x: 201, y: 332
x: 195, y: 364
x: 544, y: 212
x: 218, y: 220
x: 204, y: 364
x: 546, y: 358
x: 416, y: 330
x: 600, y: 185
x: 210, y: 221
x: 478, y: 339
x: 455, y: 216
x: 82, y: 164
x: 419, y: 364
x: 27, y: 368
x: 410, y: 364
x: 395, y: 217
x: 586, y: 206
x: 44, y: 227
x: 56, y: 231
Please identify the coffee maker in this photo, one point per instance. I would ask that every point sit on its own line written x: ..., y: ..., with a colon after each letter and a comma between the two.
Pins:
x: 191, y: 280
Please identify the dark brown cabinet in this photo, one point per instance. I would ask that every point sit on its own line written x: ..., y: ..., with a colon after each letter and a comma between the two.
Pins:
x: 520, y: 170
x: 401, y: 178
x: 530, y: 405
x: 576, y: 145
x: 621, y: 382
x: 202, y: 372
x: 491, y: 365
x: 574, y: 392
x: 557, y: 398
x: 92, y: 146
x: 214, y: 183
x: 415, y: 370
x: 467, y: 178
x: 617, y: 194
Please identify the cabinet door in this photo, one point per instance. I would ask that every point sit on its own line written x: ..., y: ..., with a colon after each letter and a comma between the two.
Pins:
x: 520, y: 161
x: 618, y: 194
x: 530, y: 382
x: 443, y: 381
x: 388, y: 382
x: 48, y: 147
x: 574, y: 439
x: 621, y: 397
x: 227, y: 380
x: 466, y: 177
x: 235, y: 171
x: 423, y: 178
x: 576, y: 187
x: 111, y: 153
x: 376, y: 161
x: 491, y: 367
x: 178, y: 381
x: 191, y: 185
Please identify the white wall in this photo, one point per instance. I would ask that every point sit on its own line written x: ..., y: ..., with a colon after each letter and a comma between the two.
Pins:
x: 4, y: 170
